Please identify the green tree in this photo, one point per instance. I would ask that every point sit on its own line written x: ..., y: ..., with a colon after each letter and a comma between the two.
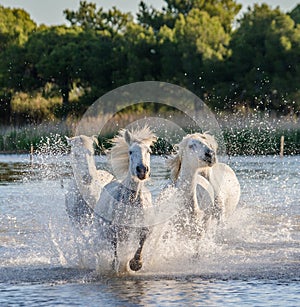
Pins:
x: 51, y: 56
x: 170, y: 56
x: 138, y: 55
x: 89, y: 17
x: 94, y: 62
x: 148, y: 17
x: 295, y: 14
x: 15, y: 27
x: 202, y: 42
x: 225, y: 10
x: 264, y: 63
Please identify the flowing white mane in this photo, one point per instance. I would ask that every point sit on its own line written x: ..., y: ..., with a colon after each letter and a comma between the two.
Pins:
x: 118, y: 154
x: 174, y: 163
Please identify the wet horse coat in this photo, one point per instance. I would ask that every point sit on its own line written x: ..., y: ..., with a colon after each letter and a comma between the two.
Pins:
x: 196, y: 169
x: 87, y: 183
x: 124, y: 201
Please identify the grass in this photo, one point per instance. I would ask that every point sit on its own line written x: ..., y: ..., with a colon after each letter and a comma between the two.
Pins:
x: 251, y: 135
x: 257, y: 141
x: 260, y: 134
x: 20, y: 140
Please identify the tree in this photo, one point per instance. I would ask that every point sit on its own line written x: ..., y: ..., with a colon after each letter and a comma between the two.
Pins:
x: 149, y: 17
x: 264, y: 64
x: 295, y: 14
x: 15, y: 27
x: 137, y: 50
x: 94, y: 63
x: 89, y: 17
x: 202, y: 41
x: 225, y: 10
x: 51, y: 56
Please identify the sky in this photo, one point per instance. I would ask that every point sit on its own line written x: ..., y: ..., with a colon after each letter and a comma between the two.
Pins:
x: 50, y: 12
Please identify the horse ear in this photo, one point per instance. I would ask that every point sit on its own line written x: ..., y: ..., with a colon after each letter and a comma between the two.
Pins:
x: 95, y: 140
x: 128, y: 137
x: 69, y: 140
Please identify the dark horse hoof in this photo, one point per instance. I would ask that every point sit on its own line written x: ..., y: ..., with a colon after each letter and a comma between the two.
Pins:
x: 135, y: 265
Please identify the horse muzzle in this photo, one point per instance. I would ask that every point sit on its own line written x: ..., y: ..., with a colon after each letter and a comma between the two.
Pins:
x: 210, y: 157
x: 142, y: 172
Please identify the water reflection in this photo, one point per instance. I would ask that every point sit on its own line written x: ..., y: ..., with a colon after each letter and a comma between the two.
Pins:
x: 20, y: 168
x: 12, y: 172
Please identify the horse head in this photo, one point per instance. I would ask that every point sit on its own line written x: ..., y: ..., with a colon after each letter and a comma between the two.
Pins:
x: 139, y: 157
x: 131, y: 153
x: 201, y: 149
x: 194, y: 151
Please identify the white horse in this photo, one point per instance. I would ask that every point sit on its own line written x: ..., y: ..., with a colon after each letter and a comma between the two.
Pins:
x: 197, y: 192
x: 123, y: 201
x: 197, y: 160
x: 84, y: 189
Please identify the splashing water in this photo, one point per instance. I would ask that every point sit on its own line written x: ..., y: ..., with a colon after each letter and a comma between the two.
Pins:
x: 260, y: 239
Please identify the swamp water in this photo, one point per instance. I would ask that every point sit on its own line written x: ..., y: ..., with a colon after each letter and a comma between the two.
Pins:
x: 252, y: 260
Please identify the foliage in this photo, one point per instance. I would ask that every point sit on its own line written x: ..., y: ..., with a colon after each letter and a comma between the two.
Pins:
x: 191, y: 43
x: 89, y: 18
x: 21, y: 139
x: 265, y: 60
x: 295, y: 14
x: 257, y: 141
x: 33, y: 108
x: 15, y: 26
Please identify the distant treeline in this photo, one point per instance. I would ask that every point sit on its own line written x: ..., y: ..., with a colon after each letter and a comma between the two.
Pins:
x: 49, y: 72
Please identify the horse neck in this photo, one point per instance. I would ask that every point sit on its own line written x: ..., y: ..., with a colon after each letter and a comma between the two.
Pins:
x: 91, y: 165
x: 134, y: 186
x: 86, y: 162
x: 205, y: 171
x: 187, y: 173
x: 187, y: 182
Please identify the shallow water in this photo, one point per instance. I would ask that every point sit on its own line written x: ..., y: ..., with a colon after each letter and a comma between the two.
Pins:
x: 253, y: 260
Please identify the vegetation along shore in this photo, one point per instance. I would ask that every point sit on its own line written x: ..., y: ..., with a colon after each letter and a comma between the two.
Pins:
x: 240, y: 65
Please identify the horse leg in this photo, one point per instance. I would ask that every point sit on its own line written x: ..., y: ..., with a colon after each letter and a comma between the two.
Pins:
x: 136, y: 263
x: 115, y: 263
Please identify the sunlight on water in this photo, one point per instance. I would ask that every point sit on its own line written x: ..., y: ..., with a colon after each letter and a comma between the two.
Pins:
x: 262, y: 233
x: 38, y: 242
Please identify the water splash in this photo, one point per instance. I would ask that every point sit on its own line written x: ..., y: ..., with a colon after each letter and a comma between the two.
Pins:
x: 260, y: 239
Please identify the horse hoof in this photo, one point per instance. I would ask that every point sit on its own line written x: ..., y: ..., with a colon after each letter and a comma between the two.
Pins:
x: 135, y: 265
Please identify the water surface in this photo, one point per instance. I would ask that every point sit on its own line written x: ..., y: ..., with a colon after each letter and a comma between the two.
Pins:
x: 253, y: 260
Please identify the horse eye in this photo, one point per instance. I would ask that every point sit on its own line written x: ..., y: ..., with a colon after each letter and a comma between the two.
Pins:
x: 191, y: 145
x: 130, y: 152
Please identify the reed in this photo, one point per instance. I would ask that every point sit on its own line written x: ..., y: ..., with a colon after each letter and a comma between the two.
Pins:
x: 258, y: 141
x: 20, y: 139
x: 242, y: 135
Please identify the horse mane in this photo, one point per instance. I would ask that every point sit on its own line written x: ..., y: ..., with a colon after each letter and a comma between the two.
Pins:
x: 209, y: 139
x: 118, y: 153
x: 174, y: 163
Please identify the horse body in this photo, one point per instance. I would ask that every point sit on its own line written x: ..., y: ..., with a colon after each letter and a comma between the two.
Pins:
x: 198, y: 192
x: 226, y: 188
x: 212, y: 187
x: 123, y: 202
x: 84, y: 189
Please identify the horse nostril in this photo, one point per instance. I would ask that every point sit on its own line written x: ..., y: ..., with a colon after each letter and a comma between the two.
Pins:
x: 210, y: 156
x: 142, y: 169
